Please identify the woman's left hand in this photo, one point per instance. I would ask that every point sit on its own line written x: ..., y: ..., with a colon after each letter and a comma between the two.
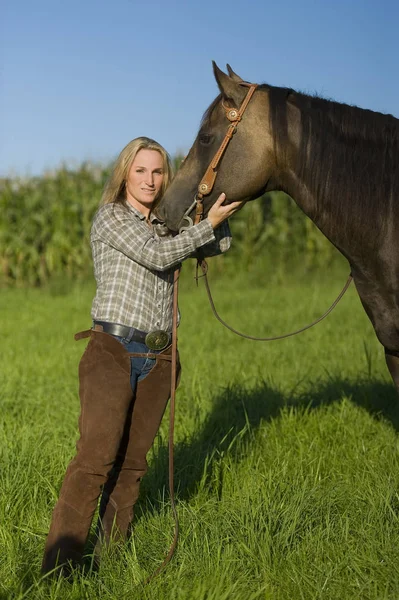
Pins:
x: 220, y: 212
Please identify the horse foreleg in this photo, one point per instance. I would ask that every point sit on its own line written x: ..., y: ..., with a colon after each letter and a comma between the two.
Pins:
x: 383, y: 312
x: 392, y: 360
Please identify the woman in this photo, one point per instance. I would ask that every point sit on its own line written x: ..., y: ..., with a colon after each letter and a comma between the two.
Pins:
x: 123, y: 397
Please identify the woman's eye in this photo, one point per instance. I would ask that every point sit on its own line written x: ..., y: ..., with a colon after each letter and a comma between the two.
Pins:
x: 205, y: 139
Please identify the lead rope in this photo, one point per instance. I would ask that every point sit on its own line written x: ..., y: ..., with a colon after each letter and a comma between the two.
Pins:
x: 204, y: 268
x: 171, y: 427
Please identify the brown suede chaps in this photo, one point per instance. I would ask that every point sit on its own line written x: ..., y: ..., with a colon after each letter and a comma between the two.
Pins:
x: 117, y: 429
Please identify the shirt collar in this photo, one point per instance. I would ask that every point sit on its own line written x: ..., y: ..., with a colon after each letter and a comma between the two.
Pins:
x: 135, y: 211
x: 139, y: 214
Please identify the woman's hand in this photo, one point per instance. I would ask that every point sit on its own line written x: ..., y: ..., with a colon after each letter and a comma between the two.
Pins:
x: 219, y: 213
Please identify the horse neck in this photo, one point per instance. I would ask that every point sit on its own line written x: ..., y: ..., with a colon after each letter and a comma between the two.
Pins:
x: 293, y: 159
x: 329, y: 158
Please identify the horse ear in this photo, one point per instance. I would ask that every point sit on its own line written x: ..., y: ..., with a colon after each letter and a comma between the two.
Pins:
x: 229, y: 87
x: 233, y: 75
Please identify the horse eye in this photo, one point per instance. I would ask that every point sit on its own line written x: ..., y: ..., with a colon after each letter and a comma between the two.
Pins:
x: 205, y: 139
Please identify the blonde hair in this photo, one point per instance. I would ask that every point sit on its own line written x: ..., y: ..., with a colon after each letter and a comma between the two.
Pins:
x: 115, y: 188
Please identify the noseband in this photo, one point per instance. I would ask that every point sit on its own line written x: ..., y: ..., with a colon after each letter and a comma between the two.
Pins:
x: 234, y: 115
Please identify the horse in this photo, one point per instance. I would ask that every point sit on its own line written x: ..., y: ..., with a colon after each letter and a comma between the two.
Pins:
x: 338, y: 162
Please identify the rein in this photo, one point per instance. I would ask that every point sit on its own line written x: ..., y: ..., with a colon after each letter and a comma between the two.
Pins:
x: 173, y: 386
x: 204, y: 267
x: 205, y: 187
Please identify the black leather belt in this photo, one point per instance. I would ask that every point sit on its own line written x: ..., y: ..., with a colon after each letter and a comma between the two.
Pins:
x: 155, y: 340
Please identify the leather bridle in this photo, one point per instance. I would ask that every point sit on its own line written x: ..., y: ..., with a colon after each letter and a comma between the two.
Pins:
x: 205, y: 187
x: 234, y: 115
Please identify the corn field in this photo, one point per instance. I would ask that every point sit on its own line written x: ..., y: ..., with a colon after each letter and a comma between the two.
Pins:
x: 45, y: 228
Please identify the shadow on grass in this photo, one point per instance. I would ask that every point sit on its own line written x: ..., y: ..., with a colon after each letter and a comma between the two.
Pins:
x: 237, y: 412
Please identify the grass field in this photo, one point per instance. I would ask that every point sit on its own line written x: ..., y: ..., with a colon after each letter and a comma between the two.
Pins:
x: 287, y: 462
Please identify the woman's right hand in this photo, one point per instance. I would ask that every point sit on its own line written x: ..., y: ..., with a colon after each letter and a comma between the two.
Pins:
x: 219, y: 213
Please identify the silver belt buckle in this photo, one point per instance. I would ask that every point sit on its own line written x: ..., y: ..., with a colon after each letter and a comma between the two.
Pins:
x: 157, y: 340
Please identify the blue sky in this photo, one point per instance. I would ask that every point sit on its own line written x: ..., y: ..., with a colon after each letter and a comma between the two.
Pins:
x: 79, y: 79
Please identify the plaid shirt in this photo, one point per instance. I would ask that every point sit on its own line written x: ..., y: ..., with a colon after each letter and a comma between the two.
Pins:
x: 134, y: 265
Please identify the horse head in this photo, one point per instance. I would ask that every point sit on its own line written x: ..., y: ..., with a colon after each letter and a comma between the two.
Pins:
x: 246, y: 165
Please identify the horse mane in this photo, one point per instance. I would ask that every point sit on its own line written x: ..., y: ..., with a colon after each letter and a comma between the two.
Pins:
x: 208, y: 113
x: 348, y: 157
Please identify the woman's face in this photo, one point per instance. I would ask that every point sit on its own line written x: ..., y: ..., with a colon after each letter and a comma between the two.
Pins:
x: 144, y: 180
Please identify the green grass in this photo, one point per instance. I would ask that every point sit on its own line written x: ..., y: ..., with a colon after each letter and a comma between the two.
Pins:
x: 287, y: 462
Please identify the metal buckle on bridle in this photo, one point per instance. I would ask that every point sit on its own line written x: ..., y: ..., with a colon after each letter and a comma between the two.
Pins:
x: 186, y: 217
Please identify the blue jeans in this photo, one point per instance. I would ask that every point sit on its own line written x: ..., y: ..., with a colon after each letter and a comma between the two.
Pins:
x: 140, y: 367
